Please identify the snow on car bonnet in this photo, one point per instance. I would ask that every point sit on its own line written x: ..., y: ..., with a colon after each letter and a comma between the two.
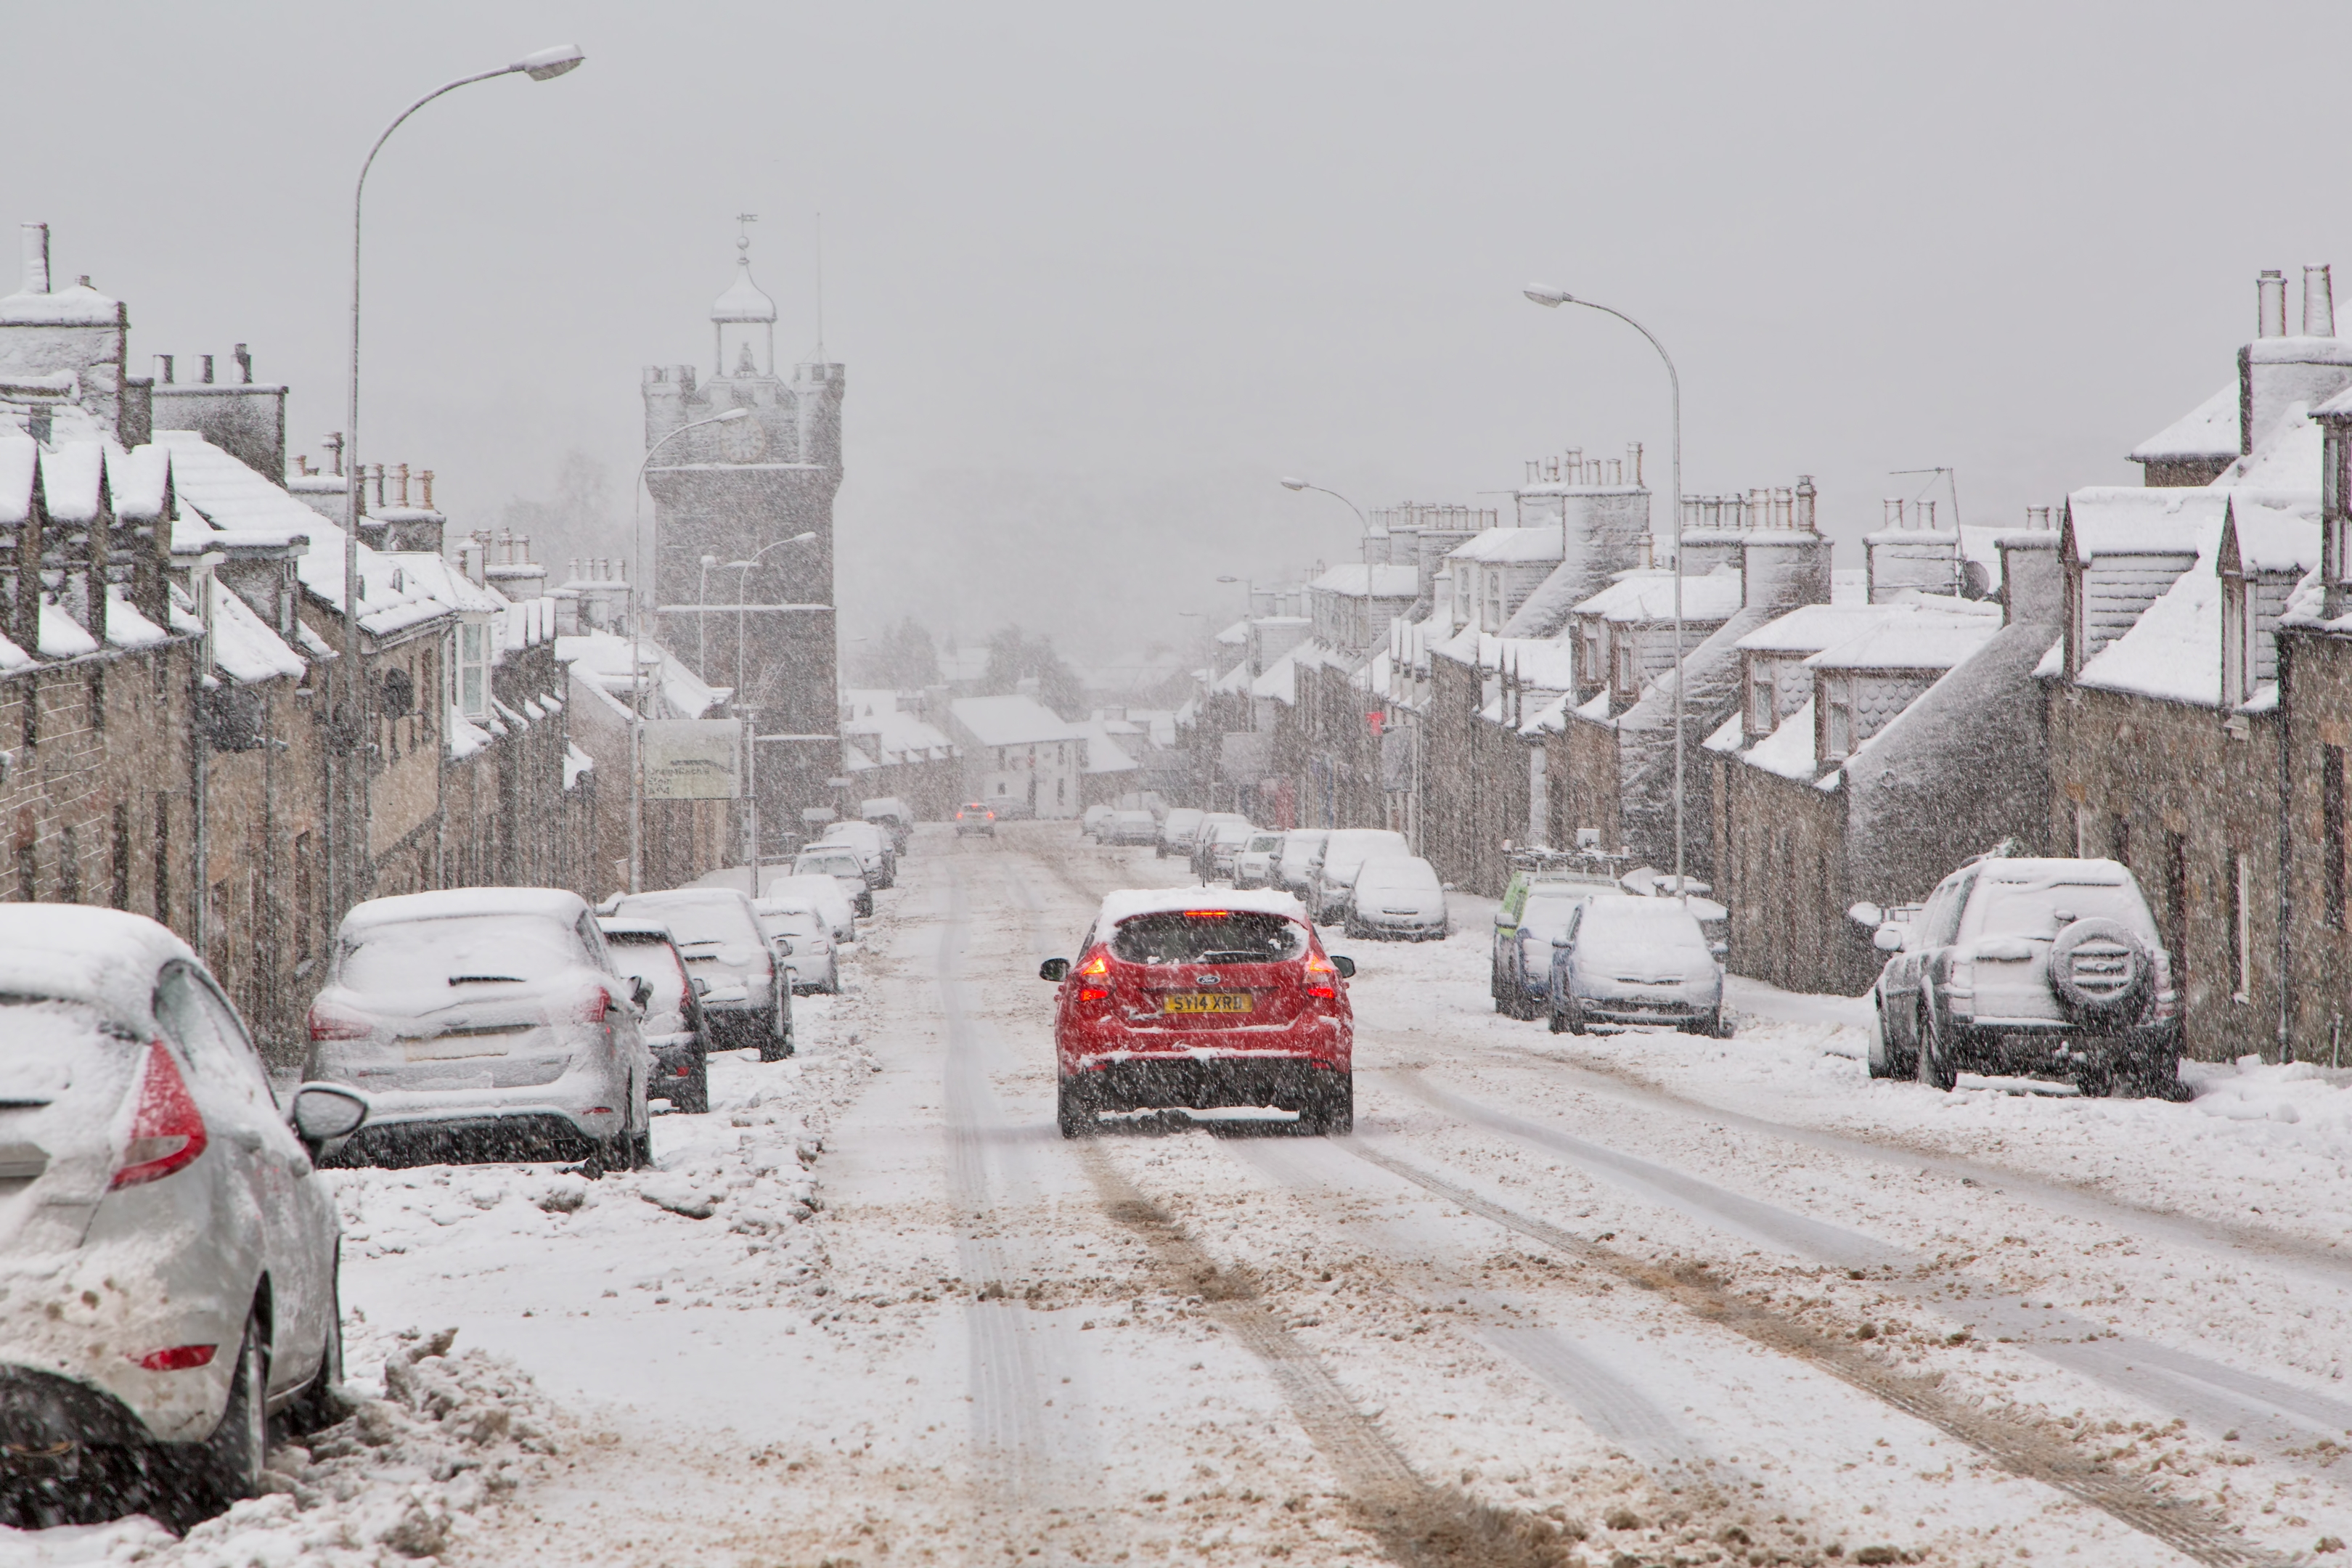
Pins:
x: 103, y: 957
x: 1130, y: 903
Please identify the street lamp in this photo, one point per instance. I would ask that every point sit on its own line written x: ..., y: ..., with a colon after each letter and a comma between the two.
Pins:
x: 639, y: 608
x: 702, y: 619
x: 743, y: 570
x: 1552, y: 298
x: 538, y: 67
x: 1290, y: 483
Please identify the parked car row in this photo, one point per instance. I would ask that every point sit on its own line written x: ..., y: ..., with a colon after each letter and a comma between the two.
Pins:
x: 1366, y: 880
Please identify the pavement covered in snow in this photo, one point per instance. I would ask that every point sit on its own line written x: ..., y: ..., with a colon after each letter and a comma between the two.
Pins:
x: 1636, y: 1298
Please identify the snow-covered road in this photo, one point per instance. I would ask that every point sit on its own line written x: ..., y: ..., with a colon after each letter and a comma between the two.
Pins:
x: 1611, y: 1299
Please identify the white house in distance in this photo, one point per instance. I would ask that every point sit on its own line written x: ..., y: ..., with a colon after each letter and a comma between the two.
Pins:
x: 1019, y: 758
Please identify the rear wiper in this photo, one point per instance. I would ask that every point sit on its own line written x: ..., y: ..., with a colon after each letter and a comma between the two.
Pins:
x: 471, y: 979
x: 1234, y: 957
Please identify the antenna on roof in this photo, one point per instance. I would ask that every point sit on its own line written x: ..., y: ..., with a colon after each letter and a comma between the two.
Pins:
x: 1950, y: 483
x: 820, y: 289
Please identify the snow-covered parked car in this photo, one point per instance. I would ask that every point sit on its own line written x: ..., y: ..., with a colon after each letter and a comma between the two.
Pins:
x: 1294, y: 866
x: 483, y: 1024
x: 1535, y: 907
x: 167, y: 1276
x: 1131, y: 828
x: 800, y: 932
x: 845, y: 865
x: 1095, y: 821
x: 874, y: 851
x: 1635, y: 961
x: 2048, y: 967
x: 1253, y: 866
x: 1331, y: 874
x: 892, y: 816
x: 747, y: 993
x: 1219, y: 838
x: 1176, y: 831
x: 1397, y: 898
x: 821, y: 894
x: 674, y: 1027
x: 1204, y: 998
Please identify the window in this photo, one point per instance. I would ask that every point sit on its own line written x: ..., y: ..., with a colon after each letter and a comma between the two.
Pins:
x: 2331, y: 827
x: 97, y: 697
x: 2241, y: 888
x: 2082, y: 831
x: 2078, y: 628
x: 1837, y: 717
x: 2237, y: 643
x: 473, y: 669
x: 1762, y: 712
x: 163, y: 858
x: 1626, y: 688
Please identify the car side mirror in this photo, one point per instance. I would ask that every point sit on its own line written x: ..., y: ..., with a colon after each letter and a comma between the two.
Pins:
x: 1055, y: 968
x: 1866, y: 913
x: 1889, y: 938
x: 323, y: 1112
x: 1720, y: 949
x: 1344, y: 965
x: 641, y: 992
x: 701, y: 985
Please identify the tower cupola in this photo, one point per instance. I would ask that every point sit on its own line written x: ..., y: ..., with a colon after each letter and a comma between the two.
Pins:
x: 742, y: 307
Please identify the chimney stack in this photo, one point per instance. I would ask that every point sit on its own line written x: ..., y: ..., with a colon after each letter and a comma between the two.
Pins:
x: 2270, y: 295
x: 37, y: 257
x: 2318, y: 303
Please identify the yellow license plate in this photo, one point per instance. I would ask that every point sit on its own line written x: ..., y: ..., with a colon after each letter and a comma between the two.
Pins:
x: 1208, y: 1002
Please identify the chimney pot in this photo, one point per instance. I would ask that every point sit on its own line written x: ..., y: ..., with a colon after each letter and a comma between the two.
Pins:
x: 166, y: 361
x: 334, y: 446
x: 208, y: 369
x: 402, y: 474
x: 37, y: 257
x: 425, y: 479
x: 2318, y: 303
x: 2269, y: 299
x: 244, y: 364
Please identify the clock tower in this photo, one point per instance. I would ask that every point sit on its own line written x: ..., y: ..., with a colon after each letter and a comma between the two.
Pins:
x: 744, y: 491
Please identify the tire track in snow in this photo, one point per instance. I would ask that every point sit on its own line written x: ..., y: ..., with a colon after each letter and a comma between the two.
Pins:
x: 2012, y: 1443
x: 2324, y: 1264
x: 2212, y: 1393
x: 1012, y: 1366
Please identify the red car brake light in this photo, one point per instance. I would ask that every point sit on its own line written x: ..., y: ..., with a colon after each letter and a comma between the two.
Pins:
x: 1322, y: 977
x: 179, y: 1358
x: 167, y: 1132
x: 594, y: 1006
x: 327, y: 1024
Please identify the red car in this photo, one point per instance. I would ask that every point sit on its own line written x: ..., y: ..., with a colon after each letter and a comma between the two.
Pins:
x: 1201, y: 999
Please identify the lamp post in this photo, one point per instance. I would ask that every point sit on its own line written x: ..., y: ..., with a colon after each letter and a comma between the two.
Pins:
x: 743, y: 570
x: 638, y: 613
x: 352, y: 796
x: 1291, y: 483
x: 1552, y: 298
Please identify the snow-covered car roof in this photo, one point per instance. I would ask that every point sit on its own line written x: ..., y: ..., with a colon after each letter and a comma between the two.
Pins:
x: 77, y: 953
x: 625, y: 928
x: 547, y: 903
x: 1130, y: 903
x: 2023, y: 868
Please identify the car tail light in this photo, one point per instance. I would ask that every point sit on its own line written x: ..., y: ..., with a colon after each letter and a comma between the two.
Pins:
x: 179, y: 1358
x: 1094, y: 963
x: 1092, y: 993
x: 327, y: 1024
x: 167, y: 1132
x: 2167, y: 1005
x: 1322, y: 978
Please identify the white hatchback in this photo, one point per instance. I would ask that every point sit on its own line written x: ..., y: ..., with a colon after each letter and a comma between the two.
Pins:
x: 167, y: 1257
x: 484, y: 1023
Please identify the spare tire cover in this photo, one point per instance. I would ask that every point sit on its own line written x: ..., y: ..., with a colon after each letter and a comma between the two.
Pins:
x: 2099, y: 966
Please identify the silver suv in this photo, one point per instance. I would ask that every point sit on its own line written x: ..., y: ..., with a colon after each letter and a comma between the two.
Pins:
x: 2051, y: 968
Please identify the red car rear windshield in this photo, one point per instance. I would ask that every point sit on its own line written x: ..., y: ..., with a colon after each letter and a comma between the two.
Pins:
x: 1205, y: 937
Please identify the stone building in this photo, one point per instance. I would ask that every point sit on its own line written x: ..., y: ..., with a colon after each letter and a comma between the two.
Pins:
x: 1019, y: 758
x: 743, y: 492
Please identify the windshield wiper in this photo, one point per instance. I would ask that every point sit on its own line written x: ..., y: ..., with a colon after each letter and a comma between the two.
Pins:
x: 485, y: 979
x: 1233, y: 956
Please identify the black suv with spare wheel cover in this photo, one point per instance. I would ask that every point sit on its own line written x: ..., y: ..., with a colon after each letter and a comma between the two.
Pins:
x: 2048, y: 968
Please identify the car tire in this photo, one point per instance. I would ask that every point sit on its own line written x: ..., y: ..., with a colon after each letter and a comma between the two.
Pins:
x: 1556, y: 1022
x: 226, y: 1466
x: 2096, y: 1081
x: 1338, y: 1120
x: 1935, y: 1065
x: 1074, y: 1110
x: 1575, y: 1018
x: 320, y: 1404
x: 641, y: 1149
x: 773, y: 1046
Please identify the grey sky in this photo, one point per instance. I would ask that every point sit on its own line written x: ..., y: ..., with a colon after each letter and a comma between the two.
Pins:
x: 1100, y: 276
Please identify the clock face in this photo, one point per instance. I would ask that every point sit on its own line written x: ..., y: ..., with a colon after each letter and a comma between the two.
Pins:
x: 743, y: 441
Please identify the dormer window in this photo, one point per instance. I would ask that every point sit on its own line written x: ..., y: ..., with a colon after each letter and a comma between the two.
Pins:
x: 470, y: 671
x: 1628, y: 687
x: 2238, y: 654
x: 1837, y: 717
x: 2335, y: 519
x: 1763, y: 715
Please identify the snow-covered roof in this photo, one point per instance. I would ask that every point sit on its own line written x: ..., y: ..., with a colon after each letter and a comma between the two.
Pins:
x: 2173, y: 651
x: 1914, y: 635
x: 1235, y: 636
x: 1503, y: 545
x: 1280, y: 682
x: 601, y: 661
x: 244, y: 647
x: 2209, y: 430
x: 877, y: 724
x: 1787, y: 751
x: 743, y: 302
x: 2125, y: 520
x: 1013, y: 720
x: 2288, y: 458
x: 77, y: 306
x: 1359, y: 580
x: 1809, y: 629
x: 1648, y: 596
x: 1105, y: 755
x: 1130, y: 903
